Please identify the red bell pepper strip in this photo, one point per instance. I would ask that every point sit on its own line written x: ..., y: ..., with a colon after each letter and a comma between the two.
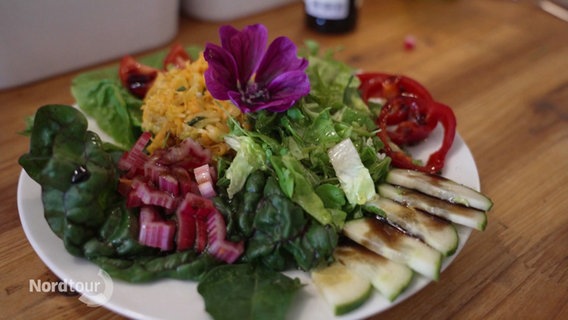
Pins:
x: 138, y: 78
x: 410, y: 108
x: 177, y: 57
x: 390, y: 86
x: 436, y: 160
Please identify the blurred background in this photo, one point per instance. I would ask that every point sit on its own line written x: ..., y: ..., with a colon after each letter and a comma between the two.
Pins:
x: 40, y: 39
x: 45, y: 38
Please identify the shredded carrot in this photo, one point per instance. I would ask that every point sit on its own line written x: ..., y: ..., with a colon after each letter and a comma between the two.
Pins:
x: 178, y: 106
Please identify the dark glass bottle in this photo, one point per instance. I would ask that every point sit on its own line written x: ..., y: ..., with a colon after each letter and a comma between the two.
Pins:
x: 331, y: 16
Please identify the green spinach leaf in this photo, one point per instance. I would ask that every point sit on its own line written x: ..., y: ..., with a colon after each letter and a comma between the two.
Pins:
x: 246, y: 292
x: 77, y: 175
x: 185, y: 265
x: 279, y: 233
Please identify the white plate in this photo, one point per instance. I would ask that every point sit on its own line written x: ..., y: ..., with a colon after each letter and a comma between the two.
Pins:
x: 174, y: 299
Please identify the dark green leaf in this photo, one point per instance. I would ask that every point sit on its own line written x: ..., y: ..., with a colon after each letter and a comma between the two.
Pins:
x: 60, y: 144
x: 245, y: 292
x: 186, y: 265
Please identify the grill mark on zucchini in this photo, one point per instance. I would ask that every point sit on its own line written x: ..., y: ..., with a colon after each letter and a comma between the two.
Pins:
x: 453, y: 212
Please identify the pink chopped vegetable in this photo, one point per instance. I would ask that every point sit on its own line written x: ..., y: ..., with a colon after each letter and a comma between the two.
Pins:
x: 158, y: 235
x: 155, y: 232
x: 133, y: 201
x: 186, y: 183
x: 161, y: 184
x: 135, y: 158
x: 188, y: 154
x: 153, y: 170
x: 219, y: 247
x: 201, y: 215
x: 204, y: 179
x: 202, y: 174
x: 216, y: 226
x: 226, y: 251
x: 169, y: 184
x: 206, y: 189
x: 148, y: 214
x: 155, y: 197
x: 186, y: 224
x: 192, y: 202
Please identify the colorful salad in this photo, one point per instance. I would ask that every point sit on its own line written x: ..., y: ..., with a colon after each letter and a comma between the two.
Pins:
x: 234, y: 162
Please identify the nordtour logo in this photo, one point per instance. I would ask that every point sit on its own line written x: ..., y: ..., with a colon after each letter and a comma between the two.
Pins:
x: 94, y: 293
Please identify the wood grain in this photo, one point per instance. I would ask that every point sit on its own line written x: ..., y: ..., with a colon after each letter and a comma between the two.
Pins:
x: 502, y: 66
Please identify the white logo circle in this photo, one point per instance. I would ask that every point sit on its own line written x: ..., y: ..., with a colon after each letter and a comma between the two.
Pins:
x: 96, y: 295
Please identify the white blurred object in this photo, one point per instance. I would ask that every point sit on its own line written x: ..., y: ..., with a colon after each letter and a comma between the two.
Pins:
x: 557, y: 8
x: 224, y: 10
x: 42, y: 38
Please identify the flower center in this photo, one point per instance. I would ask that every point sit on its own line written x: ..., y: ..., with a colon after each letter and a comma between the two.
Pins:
x: 254, y: 94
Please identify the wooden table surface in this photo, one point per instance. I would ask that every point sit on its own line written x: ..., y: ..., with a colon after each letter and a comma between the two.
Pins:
x: 502, y: 66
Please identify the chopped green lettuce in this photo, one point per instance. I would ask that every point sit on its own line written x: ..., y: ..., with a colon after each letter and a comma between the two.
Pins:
x: 304, y: 193
x: 354, y: 177
x: 101, y: 96
x: 250, y: 157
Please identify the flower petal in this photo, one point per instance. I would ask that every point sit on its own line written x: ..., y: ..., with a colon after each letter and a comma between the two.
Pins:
x: 252, y: 77
x: 237, y: 99
x: 277, y: 105
x: 220, y: 76
x: 247, y: 48
x: 280, y: 57
x: 227, y: 32
x: 284, y: 91
x: 291, y: 85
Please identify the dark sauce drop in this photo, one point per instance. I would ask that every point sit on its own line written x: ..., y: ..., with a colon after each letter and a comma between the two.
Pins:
x: 139, y: 84
x: 379, y: 228
x: 80, y: 174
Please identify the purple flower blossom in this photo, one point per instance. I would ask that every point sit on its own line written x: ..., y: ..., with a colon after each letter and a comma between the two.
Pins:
x: 253, y: 77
